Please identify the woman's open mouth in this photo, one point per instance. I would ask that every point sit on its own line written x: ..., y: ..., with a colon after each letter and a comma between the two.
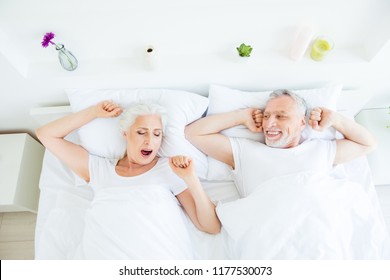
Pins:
x: 146, y: 152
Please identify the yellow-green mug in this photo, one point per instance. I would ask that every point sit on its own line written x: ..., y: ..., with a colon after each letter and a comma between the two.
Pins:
x: 321, y: 47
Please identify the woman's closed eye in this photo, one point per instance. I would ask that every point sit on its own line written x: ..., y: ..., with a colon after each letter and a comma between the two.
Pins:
x: 156, y: 133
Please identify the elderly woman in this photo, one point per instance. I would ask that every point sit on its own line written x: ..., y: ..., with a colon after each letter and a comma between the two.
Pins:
x: 142, y: 172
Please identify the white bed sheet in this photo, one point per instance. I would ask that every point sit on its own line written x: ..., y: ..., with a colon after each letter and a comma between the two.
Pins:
x: 63, y: 206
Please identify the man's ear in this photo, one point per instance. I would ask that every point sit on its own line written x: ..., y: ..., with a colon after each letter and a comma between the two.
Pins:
x: 303, y: 123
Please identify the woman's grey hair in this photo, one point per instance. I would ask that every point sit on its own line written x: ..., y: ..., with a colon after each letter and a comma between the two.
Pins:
x: 128, y: 117
x: 301, y: 103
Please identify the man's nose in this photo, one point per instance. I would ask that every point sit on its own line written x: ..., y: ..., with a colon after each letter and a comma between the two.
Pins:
x: 271, y: 121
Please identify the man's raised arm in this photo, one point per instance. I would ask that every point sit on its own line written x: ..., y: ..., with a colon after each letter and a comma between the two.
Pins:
x: 358, y: 141
x: 205, y: 132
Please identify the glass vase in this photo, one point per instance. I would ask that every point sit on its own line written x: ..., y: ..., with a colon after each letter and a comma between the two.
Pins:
x: 67, y: 59
x: 321, y: 47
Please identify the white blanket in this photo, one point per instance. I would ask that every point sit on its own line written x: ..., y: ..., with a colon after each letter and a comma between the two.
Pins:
x: 286, y: 233
x: 135, y: 223
x: 304, y: 216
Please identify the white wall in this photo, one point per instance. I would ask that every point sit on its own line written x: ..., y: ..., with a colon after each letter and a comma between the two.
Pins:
x: 195, y: 43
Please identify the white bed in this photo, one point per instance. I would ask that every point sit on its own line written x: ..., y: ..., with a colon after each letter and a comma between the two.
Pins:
x: 64, y: 204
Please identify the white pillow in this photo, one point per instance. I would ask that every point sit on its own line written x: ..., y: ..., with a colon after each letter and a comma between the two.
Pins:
x: 223, y: 99
x: 103, y: 136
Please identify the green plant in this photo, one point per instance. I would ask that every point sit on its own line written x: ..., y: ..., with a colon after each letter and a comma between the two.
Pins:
x: 244, y: 50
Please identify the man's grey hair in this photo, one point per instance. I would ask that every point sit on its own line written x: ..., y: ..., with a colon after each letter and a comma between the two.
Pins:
x: 129, y: 116
x: 301, y: 103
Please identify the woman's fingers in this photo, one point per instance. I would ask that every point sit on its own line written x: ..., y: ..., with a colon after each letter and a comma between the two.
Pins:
x: 117, y: 111
x: 181, y: 161
x: 112, y: 108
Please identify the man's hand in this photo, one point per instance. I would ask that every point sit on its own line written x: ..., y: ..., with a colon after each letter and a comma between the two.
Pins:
x: 254, y: 119
x: 321, y: 118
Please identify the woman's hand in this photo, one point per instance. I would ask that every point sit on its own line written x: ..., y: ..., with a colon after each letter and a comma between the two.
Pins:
x: 194, y: 200
x: 182, y: 166
x: 107, y: 109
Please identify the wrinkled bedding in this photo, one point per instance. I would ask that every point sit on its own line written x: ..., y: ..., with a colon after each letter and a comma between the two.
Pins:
x: 304, y: 216
x: 300, y: 216
x: 139, y: 222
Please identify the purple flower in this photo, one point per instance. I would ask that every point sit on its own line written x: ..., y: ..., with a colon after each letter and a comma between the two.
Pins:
x: 47, y: 39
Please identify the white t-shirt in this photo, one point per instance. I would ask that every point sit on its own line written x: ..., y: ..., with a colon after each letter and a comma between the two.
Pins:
x: 256, y: 162
x: 103, y: 175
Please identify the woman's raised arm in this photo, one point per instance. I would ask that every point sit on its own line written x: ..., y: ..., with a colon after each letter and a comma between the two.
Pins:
x: 194, y: 200
x: 74, y: 156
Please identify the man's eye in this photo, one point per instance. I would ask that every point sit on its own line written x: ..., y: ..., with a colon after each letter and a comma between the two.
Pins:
x: 265, y: 117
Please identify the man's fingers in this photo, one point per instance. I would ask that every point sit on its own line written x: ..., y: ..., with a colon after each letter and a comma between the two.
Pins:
x: 315, y: 118
x: 257, y: 117
x: 315, y: 114
x: 314, y: 124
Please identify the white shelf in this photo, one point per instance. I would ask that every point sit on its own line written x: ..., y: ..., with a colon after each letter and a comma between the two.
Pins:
x: 194, y: 63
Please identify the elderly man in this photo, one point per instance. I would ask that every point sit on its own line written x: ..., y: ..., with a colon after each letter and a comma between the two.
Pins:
x: 290, y: 208
x: 281, y: 122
